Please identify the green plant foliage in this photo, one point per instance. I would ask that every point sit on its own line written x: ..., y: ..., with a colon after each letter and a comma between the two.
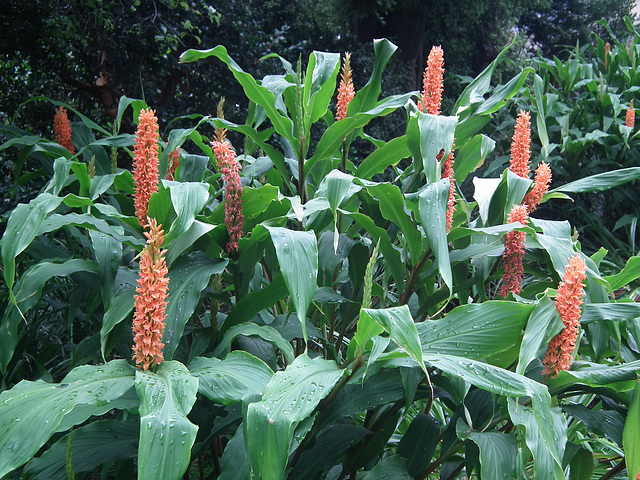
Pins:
x: 349, y: 335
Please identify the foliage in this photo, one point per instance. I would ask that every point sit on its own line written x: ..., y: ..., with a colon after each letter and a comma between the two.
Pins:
x: 349, y: 336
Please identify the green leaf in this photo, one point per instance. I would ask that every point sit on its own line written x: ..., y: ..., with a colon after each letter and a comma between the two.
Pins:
x: 228, y: 381
x: 631, y: 433
x: 392, y: 467
x: 187, y: 279
x: 265, y: 332
x: 615, y: 312
x: 318, y: 91
x: 433, y: 216
x: 476, y: 330
x: 367, y: 97
x: 419, y: 442
x: 166, y: 434
x: 606, y: 423
x: 498, y: 453
x: 601, y: 182
x: 472, y: 155
x: 297, y: 254
x: 120, y: 307
x: 22, y: 227
x: 31, y: 412
x: 290, y: 397
x: 628, y: 274
x: 620, y: 378
x: 427, y: 136
x: 188, y: 199
x: 92, y: 445
x: 543, y: 323
x: 581, y: 464
x: 234, y: 462
x: 389, y: 154
x: 504, y: 93
x: 108, y: 254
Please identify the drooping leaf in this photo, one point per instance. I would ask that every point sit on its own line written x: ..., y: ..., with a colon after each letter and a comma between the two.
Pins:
x: 265, y: 332
x: 631, y: 433
x: 166, y: 434
x: 601, y: 182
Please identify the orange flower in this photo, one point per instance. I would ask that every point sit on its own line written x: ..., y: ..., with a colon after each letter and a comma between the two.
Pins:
x: 514, y: 252
x: 607, y: 49
x: 432, y: 82
x: 447, y: 172
x: 151, y: 300
x: 145, y: 162
x: 172, y: 164
x: 346, y: 91
x: 62, y: 129
x: 630, y: 118
x: 230, y: 169
x: 568, y: 302
x: 541, y: 183
x: 521, y: 145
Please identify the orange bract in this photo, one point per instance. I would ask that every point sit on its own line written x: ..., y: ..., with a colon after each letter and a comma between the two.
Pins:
x: 630, y: 117
x: 62, y: 129
x: 568, y: 302
x: 514, y: 252
x: 346, y: 91
x: 151, y: 300
x: 145, y: 162
x: 172, y: 164
x: 230, y: 170
x: 521, y: 145
x: 541, y: 183
x: 432, y: 82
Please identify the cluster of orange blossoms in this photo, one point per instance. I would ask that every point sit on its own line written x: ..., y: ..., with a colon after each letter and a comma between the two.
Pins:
x: 151, y: 300
x: 514, y: 252
x: 230, y: 169
x: 346, y: 90
x: 568, y: 302
x: 431, y: 101
x: 630, y: 117
x: 521, y: 145
x: 62, y: 129
x: 145, y: 162
x: 172, y: 164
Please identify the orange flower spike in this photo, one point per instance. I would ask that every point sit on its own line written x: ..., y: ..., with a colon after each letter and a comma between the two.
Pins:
x: 432, y: 82
x: 542, y: 180
x: 172, y: 164
x: 514, y: 252
x: 521, y: 145
x: 145, y: 162
x: 447, y: 172
x: 607, y: 49
x: 230, y: 169
x: 150, y: 300
x: 346, y: 91
x: 630, y: 118
x: 568, y: 302
x: 62, y: 129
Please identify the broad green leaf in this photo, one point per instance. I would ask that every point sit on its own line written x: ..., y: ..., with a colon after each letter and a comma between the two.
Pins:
x: 616, y: 312
x: 472, y: 155
x: 187, y: 279
x: 418, y: 444
x: 433, y: 216
x: 428, y: 136
x: 631, y: 433
x: 265, y: 332
x: 22, y: 227
x: 91, y: 446
x: 517, y: 188
x: 188, y: 200
x: 120, y: 307
x: 367, y: 328
x: 392, y: 467
x: 166, y: 434
x: 228, y: 381
x: 476, y: 330
x: 540, y: 116
x: 290, y: 397
x: 601, y: 182
x: 484, y: 189
x: 543, y: 323
x: 504, y: 93
x: 606, y: 423
x: 186, y: 240
x: 108, y: 254
x: 545, y: 466
x: 123, y: 104
x: 234, y: 463
x: 31, y: 412
x: 388, y: 155
x: 398, y: 323
x: 620, y: 378
x: 88, y: 221
x: 581, y: 464
x: 498, y: 453
x: 252, y: 89
x: 319, y: 85
x: 628, y: 274
x: 297, y: 254
x: 367, y: 97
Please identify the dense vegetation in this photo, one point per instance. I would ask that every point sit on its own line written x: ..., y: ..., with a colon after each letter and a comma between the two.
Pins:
x: 282, y: 286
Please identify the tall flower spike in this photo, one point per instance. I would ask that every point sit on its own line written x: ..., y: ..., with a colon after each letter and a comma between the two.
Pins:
x: 607, y: 49
x: 145, y: 162
x: 521, y: 145
x: 514, y: 252
x: 346, y: 91
x: 541, y: 183
x: 172, y: 164
x: 568, y: 302
x: 447, y: 172
x: 62, y: 129
x: 432, y: 82
x: 150, y: 300
x: 230, y: 169
x: 630, y: 118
